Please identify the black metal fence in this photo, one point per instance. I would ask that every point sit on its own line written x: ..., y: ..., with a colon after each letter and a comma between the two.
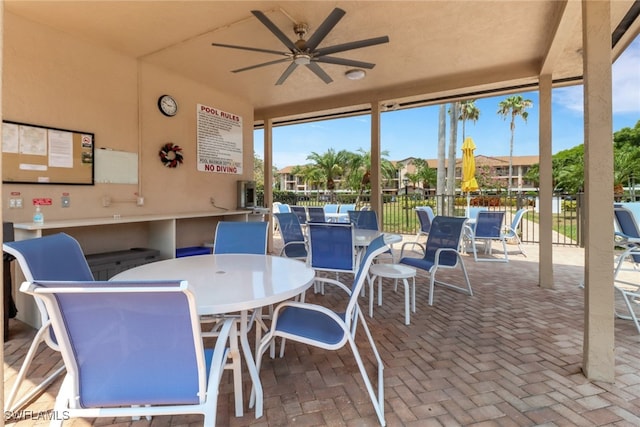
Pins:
x: 398, y: 215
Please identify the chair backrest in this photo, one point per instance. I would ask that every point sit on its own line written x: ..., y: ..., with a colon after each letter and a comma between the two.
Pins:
x: 445, y: 233
x: 55, y: 257
x: 292, y: 235
x: 331, y: 208
x: 316, y: 214
x: 425, y: 216
x: 489, y: 224
x: 365, y: 220
x: 472, y: 212
x: 627, y: 224
x: 346, y: 208
x: 234, y: 237
x: 515, y: 221
x: 127, y: 343
x: 331, y: 247
x: 301, y: 213
x: 284, y: 208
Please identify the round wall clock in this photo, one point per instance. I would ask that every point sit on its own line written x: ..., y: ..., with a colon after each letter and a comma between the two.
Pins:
x: 167, y: 105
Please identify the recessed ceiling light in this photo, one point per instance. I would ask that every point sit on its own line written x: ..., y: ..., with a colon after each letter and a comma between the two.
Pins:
x: 355, y: 74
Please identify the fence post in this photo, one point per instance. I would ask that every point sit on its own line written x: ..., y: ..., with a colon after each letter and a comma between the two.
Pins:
x: 580, y: 219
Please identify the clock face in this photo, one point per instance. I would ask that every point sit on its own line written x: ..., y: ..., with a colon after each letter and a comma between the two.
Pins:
x: 167, y: 105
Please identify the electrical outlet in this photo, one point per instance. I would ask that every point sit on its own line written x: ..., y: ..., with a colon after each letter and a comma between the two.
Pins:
x: 18, y: 203
x: 65, y: 201
x: 12, y: 203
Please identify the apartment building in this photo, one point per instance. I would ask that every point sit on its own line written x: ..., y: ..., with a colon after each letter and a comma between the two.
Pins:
x: 494, y: 168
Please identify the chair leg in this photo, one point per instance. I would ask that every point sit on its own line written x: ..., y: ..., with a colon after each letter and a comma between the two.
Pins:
x: 9, y: 406
x: 378, y: 402
x: 236, y: 366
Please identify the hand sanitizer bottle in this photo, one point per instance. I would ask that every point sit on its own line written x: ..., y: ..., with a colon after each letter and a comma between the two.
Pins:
x: 38, y: 218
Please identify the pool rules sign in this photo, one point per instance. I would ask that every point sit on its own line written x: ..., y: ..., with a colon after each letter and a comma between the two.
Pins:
x: 219, y: 141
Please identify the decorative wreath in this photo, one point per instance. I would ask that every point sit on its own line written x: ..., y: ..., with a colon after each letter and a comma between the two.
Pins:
x: 170, y: 155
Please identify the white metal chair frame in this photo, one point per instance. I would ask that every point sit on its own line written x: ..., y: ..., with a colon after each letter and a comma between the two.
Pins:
x: 70, y: 249
x: 511, y: 231
x: 69, y: 402
x: 486, y: 229
x: 341, y: 327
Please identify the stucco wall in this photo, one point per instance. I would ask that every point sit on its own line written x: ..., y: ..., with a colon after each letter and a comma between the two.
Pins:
x: 54, y: 80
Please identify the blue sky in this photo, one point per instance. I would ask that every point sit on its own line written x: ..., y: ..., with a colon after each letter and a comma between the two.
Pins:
x: 414, y: 132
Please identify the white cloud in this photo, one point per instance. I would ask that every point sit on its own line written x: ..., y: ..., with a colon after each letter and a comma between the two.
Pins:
x: 570, y: 98
x: 626, y: 80
x: 282, y: 159
x: 625, y: 76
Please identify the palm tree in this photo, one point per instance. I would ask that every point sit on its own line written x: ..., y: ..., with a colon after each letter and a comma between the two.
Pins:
x: 513, y: 106
x: 310, y: 175
x: 426, y: 175
x: 467, y: 111
x: 331, y: 163
x: 359, y: 170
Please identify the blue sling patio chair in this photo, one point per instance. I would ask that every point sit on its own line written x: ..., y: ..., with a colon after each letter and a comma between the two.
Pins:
x: 54, y: 257
x: 364, y: 220
x: 301, y: 213
x: 295, y: 245
x: 235, y: 237
x: 487, y: 228
x: 327, y: 329
x: 627, y: 237
x: 511, y: 232
x: 425, y: 218
x: 441, y: 252
x: 132, y: 349
x: 316, y: 214
x: 331, y: 249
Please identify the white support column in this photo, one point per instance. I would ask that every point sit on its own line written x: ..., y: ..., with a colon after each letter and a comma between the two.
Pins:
x: 376, y: 187
x: 598, y: 351
x: 545, y: 267
x: 268, y: 176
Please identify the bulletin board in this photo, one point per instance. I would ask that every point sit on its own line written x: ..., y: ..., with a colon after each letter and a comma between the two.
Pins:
x: 33, y: 154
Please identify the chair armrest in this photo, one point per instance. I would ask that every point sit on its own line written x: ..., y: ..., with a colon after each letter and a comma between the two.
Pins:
x: 623, y: 238
x: 335, y: 283
x: 442, y: 250
x: 297, y: 242
x: 424, y: 250
x: 306, y: 306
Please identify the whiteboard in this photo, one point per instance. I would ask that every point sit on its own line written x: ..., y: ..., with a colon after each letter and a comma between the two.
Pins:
x: 115, y: 167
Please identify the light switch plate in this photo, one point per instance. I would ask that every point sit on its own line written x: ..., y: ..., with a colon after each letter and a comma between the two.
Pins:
x: 65, y: 201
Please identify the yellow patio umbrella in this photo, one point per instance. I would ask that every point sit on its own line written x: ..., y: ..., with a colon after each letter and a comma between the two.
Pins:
x: 469, y: 182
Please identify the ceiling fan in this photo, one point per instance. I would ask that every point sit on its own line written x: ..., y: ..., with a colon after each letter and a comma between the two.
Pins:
x: 306, y: 52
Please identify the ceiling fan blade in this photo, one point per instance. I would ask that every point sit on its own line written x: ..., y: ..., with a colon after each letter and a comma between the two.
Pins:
x: 347, y: 62
x: 334, y: 17
x: 253, y: 49
x: 275, y: 30
x: 286, y: 73
x: 313, y: 66
x: 351, y: 45
x: 277, y: 61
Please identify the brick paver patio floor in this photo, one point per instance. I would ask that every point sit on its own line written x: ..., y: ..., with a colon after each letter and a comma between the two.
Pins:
x: 510, y: 355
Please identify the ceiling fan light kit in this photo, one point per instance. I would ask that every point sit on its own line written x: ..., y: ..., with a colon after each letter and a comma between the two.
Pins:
x: 355, y: 74
x: 306, y: 52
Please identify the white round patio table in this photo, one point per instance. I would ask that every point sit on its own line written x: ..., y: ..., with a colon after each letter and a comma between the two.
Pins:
x: 232, y: 283
x: 396, y: 272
